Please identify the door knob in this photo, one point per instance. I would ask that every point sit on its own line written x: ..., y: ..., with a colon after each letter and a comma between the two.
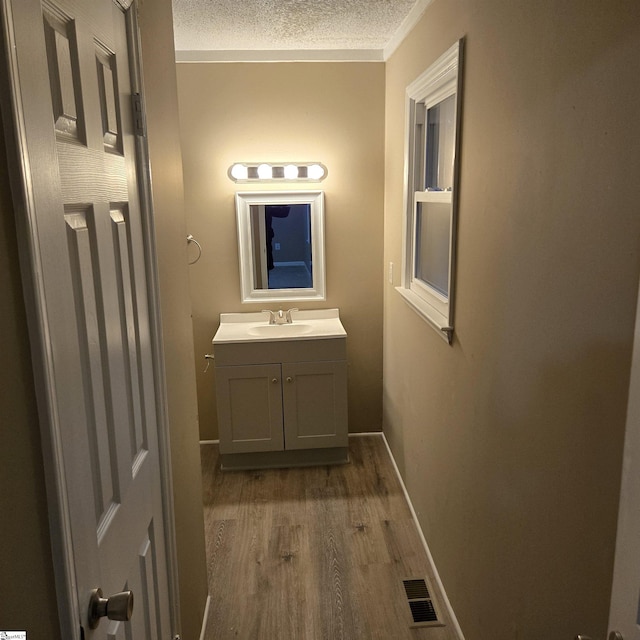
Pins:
x: 118, y: 607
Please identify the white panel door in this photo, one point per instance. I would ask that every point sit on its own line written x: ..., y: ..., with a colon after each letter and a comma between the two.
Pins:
x: 70, y: 73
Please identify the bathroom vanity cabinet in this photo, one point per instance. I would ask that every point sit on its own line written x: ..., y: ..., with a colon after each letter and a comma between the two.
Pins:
x: 282, y: 401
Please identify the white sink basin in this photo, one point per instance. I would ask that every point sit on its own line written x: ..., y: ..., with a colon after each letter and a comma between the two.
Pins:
x: 280, y: 330
x: 306, y: 325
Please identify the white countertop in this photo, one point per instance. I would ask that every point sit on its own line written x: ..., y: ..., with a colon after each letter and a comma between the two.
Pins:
x: 316, y: 324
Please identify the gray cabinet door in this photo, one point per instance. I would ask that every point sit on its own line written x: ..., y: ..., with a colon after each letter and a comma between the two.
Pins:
x: 249, y: 408
x: 315, y: 404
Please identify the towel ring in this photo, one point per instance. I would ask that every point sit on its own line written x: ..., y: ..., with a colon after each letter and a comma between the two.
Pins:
x: 190, y: 238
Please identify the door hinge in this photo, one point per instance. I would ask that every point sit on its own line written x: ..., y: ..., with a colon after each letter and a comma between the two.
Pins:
x: 139, y: 124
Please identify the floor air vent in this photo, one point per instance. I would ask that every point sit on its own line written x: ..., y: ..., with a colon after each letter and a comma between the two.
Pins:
x: 422, y: 607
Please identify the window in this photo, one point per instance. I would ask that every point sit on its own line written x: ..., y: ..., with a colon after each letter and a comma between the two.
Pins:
x: 432, y: 134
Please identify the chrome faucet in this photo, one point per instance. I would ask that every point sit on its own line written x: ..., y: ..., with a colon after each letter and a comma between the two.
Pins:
x: 272, y: 315
x: 280, y: 316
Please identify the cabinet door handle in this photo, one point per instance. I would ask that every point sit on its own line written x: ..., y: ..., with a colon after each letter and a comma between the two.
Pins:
x: 289, y: 379
x: 274, y: 380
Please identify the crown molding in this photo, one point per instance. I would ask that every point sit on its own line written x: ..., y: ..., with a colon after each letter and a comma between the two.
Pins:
x: 405, y: 28
x: 282, y: 55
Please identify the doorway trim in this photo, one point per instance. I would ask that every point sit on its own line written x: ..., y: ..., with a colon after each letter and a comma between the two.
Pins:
x: 41, y: 356
x: 624, y: 609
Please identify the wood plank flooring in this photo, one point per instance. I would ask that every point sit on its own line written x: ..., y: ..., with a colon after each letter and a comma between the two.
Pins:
x: 316, y: 553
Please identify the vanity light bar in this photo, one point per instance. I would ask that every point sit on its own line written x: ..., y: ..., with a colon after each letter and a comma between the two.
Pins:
x: 277, y: 172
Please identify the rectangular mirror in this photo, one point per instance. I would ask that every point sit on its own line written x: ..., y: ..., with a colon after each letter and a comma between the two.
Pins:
x: 281, y: 245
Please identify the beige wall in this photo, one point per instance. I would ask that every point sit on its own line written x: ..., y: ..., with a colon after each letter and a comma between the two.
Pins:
x: 510, y: 440
x: 156, y: 25
x: 27, y: 589
x: 332, y: 113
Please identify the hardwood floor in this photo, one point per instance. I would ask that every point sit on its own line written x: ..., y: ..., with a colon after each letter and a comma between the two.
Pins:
x: 316, y: 553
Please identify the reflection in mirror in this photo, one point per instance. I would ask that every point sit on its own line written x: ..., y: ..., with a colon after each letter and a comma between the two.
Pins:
x: 281, y: 245
x: 281, y: 236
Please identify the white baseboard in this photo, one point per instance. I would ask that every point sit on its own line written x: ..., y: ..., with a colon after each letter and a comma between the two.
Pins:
x: 443, y: 593
x: 205, y: 618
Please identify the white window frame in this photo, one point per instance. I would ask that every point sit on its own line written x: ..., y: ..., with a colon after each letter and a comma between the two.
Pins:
x: 441, y: 80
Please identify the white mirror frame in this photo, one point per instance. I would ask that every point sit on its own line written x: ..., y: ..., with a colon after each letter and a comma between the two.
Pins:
x: 244, y: 201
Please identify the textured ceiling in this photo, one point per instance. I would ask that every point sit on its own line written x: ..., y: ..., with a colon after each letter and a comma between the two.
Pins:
x: 288, y: 25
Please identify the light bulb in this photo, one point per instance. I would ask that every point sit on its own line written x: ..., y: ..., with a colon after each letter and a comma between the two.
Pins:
x: 291, y: 172
x: 264, y: 172
x: 315, y: 172
x: 239, y: 172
